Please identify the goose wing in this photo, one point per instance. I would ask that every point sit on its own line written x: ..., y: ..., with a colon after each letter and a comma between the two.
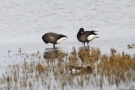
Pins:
x: 91, y: 35
x: 87, y: 33
x: 51, y: 37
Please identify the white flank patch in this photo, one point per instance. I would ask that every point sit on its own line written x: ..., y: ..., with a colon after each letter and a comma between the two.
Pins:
x: 73, y: 70
x: 61, y: 39
x: 91, y: 37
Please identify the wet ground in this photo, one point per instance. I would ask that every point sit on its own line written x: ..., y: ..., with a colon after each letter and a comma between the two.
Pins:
x: 22, y: 24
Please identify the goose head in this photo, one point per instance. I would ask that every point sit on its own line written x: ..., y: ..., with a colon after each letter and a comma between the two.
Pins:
x: 81, y: 30
x: 89, y: 68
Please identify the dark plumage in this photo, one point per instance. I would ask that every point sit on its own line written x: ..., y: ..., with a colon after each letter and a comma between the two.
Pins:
x: 86, y: 36
x: 53, y: 38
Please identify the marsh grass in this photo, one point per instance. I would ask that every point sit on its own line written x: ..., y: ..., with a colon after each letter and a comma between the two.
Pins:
x: 89, y: 56
x: 73, y: 59
x: 34, y: 71
x: 118, y: 67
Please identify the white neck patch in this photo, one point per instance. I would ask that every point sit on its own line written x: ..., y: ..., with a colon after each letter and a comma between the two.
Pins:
x: 61, y: 39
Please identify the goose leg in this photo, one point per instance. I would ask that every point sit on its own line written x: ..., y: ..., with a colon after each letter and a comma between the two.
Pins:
x: 84, y: 44
x: 88, y: 44
x: 54, y: 46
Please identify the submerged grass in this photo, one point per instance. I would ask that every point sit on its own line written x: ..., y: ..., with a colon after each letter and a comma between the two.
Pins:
x: 54, y: 66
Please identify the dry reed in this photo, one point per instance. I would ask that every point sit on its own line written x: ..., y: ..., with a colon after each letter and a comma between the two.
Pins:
x: 116, y: 67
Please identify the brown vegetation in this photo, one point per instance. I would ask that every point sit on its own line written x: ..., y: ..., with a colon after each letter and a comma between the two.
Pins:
x: 116, y: 67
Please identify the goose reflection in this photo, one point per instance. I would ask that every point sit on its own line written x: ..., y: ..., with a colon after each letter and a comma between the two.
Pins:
x: 52, y: 54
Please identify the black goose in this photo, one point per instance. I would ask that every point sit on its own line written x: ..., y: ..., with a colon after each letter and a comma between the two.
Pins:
x: 53, y: 38
x: 86, y: 36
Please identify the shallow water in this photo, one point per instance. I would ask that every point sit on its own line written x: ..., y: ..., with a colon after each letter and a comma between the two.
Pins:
x: 26, y: 21
x: 22, y: 24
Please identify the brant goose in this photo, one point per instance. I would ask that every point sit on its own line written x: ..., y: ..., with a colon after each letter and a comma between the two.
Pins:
x: 86, y: 36
x: 74, y: 69
x: 53, y: 38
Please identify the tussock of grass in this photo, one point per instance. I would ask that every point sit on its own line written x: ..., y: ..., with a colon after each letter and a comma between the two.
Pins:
x: 89, y: 56
x: 73, y: 59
